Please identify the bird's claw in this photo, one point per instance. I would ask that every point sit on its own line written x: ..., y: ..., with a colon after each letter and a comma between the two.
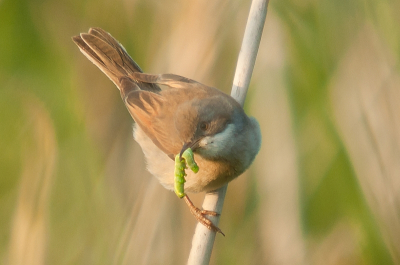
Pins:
x: 200, y: 216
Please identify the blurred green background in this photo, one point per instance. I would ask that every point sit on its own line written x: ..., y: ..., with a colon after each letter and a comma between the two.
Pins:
x: 325, y: 188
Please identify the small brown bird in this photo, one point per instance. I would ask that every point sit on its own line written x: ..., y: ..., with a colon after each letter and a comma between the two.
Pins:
x: 188, y: 114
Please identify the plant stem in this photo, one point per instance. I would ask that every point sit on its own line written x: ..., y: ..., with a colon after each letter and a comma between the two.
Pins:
x: 203, y: 239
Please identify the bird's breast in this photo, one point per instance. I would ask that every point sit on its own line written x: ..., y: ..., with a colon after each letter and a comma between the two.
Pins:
x: 211, y: 175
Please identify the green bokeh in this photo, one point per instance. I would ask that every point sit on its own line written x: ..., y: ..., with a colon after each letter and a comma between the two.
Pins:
x: 41, y: 67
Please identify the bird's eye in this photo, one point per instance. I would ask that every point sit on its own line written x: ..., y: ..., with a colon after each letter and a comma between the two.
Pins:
x: 204, y: 126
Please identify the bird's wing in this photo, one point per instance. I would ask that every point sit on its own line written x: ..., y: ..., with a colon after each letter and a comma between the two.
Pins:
x: 171, y: 80
x: 146, y: 109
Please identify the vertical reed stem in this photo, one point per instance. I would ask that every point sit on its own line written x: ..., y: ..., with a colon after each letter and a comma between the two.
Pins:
x: 203, y: 239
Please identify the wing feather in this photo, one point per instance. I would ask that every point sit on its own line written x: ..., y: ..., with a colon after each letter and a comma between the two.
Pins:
x: 171, y: 80
x: 146, y: 108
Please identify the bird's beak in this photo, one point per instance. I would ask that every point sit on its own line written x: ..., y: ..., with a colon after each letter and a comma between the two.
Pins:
x: 192, y: 144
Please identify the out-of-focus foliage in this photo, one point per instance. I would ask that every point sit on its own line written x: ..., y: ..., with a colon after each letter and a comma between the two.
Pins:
x: 325, y: 188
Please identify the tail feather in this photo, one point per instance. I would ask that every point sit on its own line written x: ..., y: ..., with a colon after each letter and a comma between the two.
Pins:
x: 126, y: 59
x: 112, y: 59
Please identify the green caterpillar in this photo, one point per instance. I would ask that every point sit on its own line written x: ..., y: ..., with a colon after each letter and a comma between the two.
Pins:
x: 188, y: 156
x: 180, y: 166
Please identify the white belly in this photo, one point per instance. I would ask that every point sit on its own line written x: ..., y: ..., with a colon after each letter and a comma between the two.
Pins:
x: 162, y: 166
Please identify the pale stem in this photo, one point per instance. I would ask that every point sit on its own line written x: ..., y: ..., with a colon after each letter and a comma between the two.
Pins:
x: 203, y: 239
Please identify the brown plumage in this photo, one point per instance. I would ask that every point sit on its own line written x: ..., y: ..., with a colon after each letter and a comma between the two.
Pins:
x: 188, y: 114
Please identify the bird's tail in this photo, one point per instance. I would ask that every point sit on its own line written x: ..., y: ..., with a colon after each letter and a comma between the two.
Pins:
x: 112, y: 59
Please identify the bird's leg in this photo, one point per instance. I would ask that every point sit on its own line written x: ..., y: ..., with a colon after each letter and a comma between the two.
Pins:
x: 180, y: 166
x: 199, y: 214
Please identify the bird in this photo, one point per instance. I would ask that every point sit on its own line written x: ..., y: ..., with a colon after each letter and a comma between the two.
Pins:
x: 183, y: 114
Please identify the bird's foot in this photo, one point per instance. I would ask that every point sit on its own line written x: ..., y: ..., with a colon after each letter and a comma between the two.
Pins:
x: 200, y: 216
